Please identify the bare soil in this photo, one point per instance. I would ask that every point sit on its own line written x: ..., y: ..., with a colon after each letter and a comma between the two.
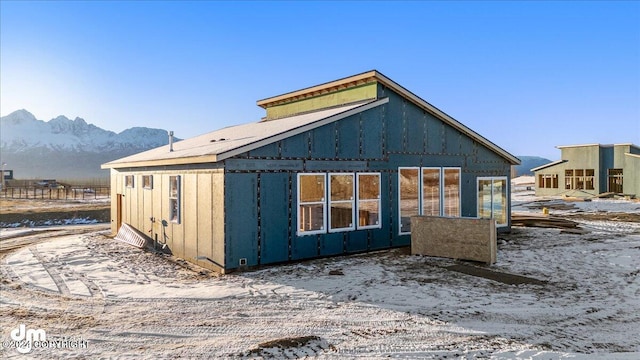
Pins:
x: 30, y: 213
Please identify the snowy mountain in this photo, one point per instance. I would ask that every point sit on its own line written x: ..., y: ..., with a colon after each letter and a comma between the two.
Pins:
x: 63, y: 148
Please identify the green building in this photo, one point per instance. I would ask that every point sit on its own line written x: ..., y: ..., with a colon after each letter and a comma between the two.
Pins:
x: 591, y: 169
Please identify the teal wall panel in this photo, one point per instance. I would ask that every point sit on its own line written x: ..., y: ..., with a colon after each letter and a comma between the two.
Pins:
x: 372, y: 134
x: 304, y: 247
x: 332, y: 244
x: 296, y: 146
x: 274, y: 217
x: 241, y: 216
x: 270, y: 150
x: 357, y: 241
x: 415, y: 129
x: 348, y: 137
x: 323, y: 142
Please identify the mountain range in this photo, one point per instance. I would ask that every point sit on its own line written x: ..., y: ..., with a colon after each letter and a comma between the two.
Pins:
x: 62, y: 148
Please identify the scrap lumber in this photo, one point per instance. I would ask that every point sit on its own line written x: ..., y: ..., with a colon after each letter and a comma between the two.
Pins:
x: 534, y: 220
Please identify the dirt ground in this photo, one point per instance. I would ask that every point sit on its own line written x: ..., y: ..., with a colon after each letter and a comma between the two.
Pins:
x: 549, y: 296
x: 30, y: 213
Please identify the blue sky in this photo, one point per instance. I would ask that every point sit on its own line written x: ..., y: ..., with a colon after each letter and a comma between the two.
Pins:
x: 526, y: 75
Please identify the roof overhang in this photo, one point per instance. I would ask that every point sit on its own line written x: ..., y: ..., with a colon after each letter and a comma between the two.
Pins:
x: 548, y: 165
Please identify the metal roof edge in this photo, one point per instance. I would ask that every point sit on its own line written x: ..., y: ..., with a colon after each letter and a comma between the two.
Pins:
x: 300, y: 129
x: 161, y: 162
x: 549, y: 165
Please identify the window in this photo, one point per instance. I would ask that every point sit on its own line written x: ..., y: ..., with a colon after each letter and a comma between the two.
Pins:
x: 348, y: 195
x: 451, y: 190
x: 431, y: 191
x: 128, y: 181
x: 174, y: 198
x: 548, y: 181
x: 492, y: 199
x: 589, y: 176
x: 579, y: 179
x: 147, y: 181
x: 311, y: 203
x: 428, y: 191
x: 615, y: 181
x: 568, y: 179
x: 368, y: 201
x: 409, y: 186
x: 341, y: 202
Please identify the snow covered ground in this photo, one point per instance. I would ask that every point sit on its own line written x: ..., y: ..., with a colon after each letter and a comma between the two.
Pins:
x: 583, y: 300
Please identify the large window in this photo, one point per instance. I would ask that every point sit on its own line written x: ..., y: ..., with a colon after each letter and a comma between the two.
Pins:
x: 579, y: 179
x: 492, y: 199
x: 451, y: 196
x: 431, y: 191
x: 174, y: 198
x: 615, y: 180
x: 428, y: 191
x: 409, y: 185
x: 341, y: 202
x: 368, y: 201
x: 548, y: 181
x: 311, y: 203
x: 348, y: 195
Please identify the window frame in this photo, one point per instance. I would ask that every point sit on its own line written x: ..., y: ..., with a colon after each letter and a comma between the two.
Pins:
x: 506, y: 208
x: 175, y: 218
x: 323, y: 230
x: 330, y: 201
x: 442, y: 195
x: 130, y: 181
x: 419, y: 185
x: 147, y: 186
x: 378, y: 225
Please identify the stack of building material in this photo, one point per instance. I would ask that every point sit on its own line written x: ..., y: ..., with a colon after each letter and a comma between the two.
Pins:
x: 545, y: 221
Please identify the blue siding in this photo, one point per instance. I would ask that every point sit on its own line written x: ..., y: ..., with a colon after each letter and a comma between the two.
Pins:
x: 348, y: 136
x: 372, y: 135
x: 241, y: 217
x: 332, y: 244
x: 295, y: 146
x: 357, y: 241
x: 274, y: 217
x: 323, y: 142
x: 381, y: 139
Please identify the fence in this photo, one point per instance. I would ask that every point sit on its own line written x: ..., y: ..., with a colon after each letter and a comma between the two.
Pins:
x: 56, y: 193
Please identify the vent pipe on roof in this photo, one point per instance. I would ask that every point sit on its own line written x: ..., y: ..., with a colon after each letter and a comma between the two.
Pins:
x: 170, y: 141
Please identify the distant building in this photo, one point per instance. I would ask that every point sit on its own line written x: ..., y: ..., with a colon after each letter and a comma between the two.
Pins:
x: 591, y: 169
x: 332, y: 169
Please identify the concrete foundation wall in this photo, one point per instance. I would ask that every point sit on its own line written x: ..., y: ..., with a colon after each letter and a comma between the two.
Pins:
x: 456, y: 238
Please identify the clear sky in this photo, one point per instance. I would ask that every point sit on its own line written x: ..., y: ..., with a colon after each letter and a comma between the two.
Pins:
x: 526, y: 75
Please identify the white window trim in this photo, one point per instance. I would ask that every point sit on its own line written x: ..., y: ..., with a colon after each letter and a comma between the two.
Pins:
x: 379, y: 201
x: 323, y: 203
x: 442, y: 194
x: 420, y: 194
x: 352, y: 201
x: 440, y: 188
x: 177, y: 198
x: 492, y: 178
x: 400, y: 232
